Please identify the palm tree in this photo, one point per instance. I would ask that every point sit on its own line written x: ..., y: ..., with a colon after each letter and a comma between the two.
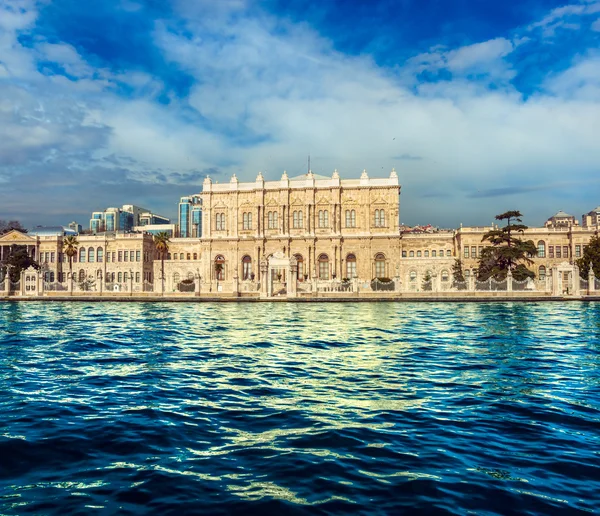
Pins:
x: 70, y: 245
x: 161, y: 243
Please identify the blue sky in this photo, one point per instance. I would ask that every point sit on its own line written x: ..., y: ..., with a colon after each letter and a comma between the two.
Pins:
x: 480, y: 106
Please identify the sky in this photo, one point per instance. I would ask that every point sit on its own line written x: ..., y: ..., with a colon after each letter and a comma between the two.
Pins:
x: 481, y: 106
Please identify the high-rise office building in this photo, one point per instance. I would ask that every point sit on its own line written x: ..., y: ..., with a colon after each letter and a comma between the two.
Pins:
x: 190, y: 217
x: 124, y: 219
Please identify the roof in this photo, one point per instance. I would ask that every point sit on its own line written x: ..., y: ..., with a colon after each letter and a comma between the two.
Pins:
x: 561, y: 214
x: 51, y: 231
x: 303, y: 177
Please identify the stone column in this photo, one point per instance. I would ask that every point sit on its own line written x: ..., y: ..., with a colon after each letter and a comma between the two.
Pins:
x: 575, y: 281
x: 556, y: 283
x: 40, y: 280
x: 131, y: 283
x: 263, y: 277
x: 293, y: 278
x: 197, y: 279
x: 509, y: 278
x: 591, y: 280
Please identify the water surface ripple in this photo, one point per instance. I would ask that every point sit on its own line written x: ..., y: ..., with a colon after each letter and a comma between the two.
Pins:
x: 351, y: 408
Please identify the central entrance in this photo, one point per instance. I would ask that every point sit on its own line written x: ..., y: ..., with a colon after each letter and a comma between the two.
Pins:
x: 279, y: 275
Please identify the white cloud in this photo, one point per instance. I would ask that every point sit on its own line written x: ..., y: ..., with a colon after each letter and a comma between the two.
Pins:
x: 596, y: 25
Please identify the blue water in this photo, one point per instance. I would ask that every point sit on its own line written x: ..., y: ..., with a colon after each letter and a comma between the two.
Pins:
x: 368, y: 408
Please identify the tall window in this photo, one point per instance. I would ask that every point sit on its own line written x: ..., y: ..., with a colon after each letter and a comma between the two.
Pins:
x: 466, y: 251
x: 350, y: 218
x: 473, y: 251
x: 577, y: 251
x: 565, y: 251
x: 120, y: 277
x: 413, y: 276
x: 99, y: 255
x: 426, y: 254
x: 247, y: 220
x: 176, y: 278
x: 81, y: 275
x: 433, y: 254
x: 541, y: 249
x: 542, y: 273
x: 380, y: 265
x: 297, y: 219
x: 246, y: 267
x: 379, y: 218
x: 82, y: 254
x: 220, y: 222
x: 350, y: 266
x: 272, y: 220
x: 300, y: 261
x: 411, y: 254
x: 323, y: 267
x: 558, y: 252
x: 91, y: 255
x: 323, y: 218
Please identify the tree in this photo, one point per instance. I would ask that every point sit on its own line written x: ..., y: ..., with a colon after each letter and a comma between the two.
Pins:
x: 70, y: 245
x: 6, y: 226
x: 506, y: 252
x: 458, y: 277
x: 591, y: 256
x: 161, y: 244
x: 18, y: 261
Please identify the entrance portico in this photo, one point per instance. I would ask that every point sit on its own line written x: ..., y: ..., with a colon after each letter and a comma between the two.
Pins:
x: 282, y: 267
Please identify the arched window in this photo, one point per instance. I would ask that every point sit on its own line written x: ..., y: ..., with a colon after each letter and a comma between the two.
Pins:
x: 413, y: 276
x: 379, y: 218
x: 467, y: 274
x: 189, y: 256
x: 445, y: 276
x: 295, y: 220
x: 176, y: 278
x: 350, y: 266
x: 245, y: 221
x: 321, y: 219
x: 448, y: 252
x: 275, y: 220
x: 125, y: 276
x: 137, y: 277
x: 541, y: 249
x: 350, y: 218
x: 323, y: 267
x: 376, y: 222
x: 353, y: 217
x: 220, y: 222
x: 418, y: 254
x: 120, y: 277
x: 542, y: 273
x: 219, y: 267
x: 82, y: 254
x: 300, y: 261
x: 168, y: 256
x: 249, y: 220
x: 181, y: 256
x: 326, y: 219
x: 99, y: 255
x: 190, y: 276
x: 195, y: 256
x: 426, y: 254
x: 91, y: 254
x: 411, y: 254
x: 300, y: 219
x: 380, y: 265
x: 81, y: 275
x: 434, y: 254
x: 246, y: 267
x: 270, y: 220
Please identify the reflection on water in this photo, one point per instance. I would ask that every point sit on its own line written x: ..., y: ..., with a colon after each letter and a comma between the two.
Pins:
x: 342, y: 408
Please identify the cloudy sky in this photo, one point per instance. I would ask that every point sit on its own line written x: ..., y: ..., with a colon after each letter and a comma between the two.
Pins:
x: 481, y: 106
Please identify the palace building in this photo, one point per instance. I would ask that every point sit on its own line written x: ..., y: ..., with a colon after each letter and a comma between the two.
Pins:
x: 296, y: 234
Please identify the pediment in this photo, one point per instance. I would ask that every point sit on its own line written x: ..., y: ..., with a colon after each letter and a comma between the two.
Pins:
x: 246, y: 204
x: 17, y: 237
x: 324, y: 200
x: 297, y: 202
x: 272, y: 202
x: 350, y: 200
x: 379, y: 200
x: 219, y: 206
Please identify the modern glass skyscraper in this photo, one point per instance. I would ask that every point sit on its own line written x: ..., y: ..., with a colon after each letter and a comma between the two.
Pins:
x: 190, y: 217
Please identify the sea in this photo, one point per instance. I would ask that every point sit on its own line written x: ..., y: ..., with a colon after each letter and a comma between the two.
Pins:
x: 299, y: 408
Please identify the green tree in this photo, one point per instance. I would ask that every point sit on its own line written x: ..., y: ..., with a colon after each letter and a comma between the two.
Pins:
x: 458, y: 277
x: 507, y: 251
x: 591, y: 256
x: 69, y: 246
x: 18, y: 261
x: 161, y: 244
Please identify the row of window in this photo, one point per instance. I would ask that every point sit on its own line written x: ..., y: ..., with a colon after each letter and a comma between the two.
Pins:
x: 49, y: 276
x: 419, y: 254
x: 444, y: 276
x: 322, y: 261
x: 298, y: 219
x: 182, y: 256
x: 92, y: 255
x: 554, y: 251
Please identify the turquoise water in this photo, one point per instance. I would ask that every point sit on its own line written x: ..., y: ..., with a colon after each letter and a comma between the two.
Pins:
x: 373, y: 408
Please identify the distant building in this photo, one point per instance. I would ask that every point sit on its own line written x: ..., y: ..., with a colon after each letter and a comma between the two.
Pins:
x: 75, y: 227
x: 591, y: 219
x: 190, y: 216
x: 561, y: 220
x: 124, y: 219
x: 169, y: 229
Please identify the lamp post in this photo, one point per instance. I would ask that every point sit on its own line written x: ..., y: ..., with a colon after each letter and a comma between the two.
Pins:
x: 131, y: 282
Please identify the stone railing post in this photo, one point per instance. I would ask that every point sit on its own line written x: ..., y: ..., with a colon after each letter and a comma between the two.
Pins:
x: 575, y: 281
x: 509, y: 279
x: 236, y: 284
x: 591, y: 280
x: 197, y: 285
